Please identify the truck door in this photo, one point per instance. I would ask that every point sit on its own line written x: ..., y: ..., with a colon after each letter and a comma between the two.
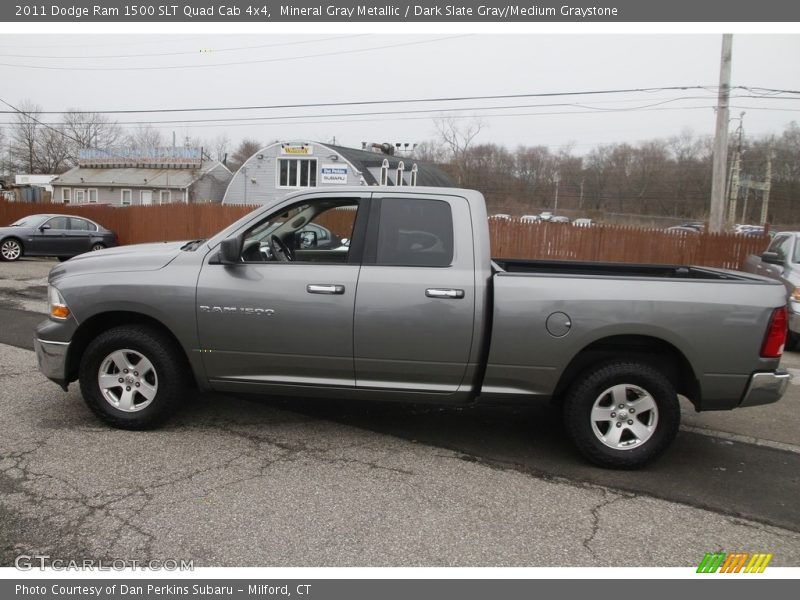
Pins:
x: 284, y: 316
x: 415, y: 305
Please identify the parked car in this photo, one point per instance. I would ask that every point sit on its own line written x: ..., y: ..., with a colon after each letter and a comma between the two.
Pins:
x: 415, y: 310
x: 781, y: 261
x: 583, y: 222
x: 501, y: 216
x: 559, y: 219
x: 749, y: 230
x: 63, y: 236
x: 530, y: 218
x: 683, y: 229
x: 546, y: 216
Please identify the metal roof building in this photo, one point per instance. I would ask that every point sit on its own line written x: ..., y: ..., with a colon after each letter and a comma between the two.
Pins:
x: 282, y: 167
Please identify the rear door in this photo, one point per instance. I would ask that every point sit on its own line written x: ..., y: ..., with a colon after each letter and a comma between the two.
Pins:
x: 415, y: 304
x: 80, y: 235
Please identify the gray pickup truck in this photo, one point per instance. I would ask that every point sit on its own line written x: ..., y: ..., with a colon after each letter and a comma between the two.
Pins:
x: 407, y: 304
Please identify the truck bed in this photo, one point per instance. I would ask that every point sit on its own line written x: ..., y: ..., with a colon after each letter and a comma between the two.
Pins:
x: 599, y: 269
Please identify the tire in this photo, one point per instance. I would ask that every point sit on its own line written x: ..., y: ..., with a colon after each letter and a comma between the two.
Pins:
x: 792, y: 341
x: 622, y: 440
x: 153, y: 361
x: 97, y: 246
x: 10, y: 249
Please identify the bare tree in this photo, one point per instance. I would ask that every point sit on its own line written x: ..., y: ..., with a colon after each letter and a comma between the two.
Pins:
x: 22, y: 142
x: 243, y: 151
x: 457, y: 135
x: 144, y: 137
x: 54, y: 150
x: 90, y: 130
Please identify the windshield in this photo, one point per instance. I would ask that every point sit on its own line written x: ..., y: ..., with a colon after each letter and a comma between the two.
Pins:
x: 30, y: 221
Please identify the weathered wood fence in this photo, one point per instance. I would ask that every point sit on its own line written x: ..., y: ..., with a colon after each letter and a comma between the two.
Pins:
x: 510, y: 238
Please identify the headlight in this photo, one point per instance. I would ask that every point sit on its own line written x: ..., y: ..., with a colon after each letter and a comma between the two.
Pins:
x: 56, y: 305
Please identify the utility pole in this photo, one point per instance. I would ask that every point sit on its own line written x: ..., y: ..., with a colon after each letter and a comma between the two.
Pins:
x: 556, y: 178
x: 716, y: 216
x: 735, y: 172
x: 767, y: 186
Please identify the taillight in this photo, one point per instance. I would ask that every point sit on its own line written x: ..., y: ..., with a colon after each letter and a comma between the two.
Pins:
x: 776, y: 334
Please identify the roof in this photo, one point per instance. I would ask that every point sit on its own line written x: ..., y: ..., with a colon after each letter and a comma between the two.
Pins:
x: 428, y: 174
x: 135, y: 176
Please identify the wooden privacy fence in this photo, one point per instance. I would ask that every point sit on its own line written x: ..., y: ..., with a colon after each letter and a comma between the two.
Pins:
x: 510, y: 238
x: 609, y: 243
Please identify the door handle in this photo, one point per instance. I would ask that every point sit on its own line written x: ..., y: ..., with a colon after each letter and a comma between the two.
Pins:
x: 324, y: 288
x: 440, y: 293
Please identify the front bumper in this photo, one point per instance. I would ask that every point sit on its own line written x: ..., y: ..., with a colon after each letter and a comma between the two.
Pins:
x: 52, y: 360
x: 766, y: 388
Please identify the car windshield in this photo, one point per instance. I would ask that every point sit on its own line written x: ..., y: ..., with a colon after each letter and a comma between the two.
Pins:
x: 30, y: 221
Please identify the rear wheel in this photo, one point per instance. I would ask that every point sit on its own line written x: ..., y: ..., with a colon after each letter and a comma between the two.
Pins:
x: 133, y: 377
x: 10, y: 250
x: 622, y: 414
x: 97, y: 246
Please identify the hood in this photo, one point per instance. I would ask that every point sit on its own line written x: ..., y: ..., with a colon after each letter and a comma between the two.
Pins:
x: 137, y: 257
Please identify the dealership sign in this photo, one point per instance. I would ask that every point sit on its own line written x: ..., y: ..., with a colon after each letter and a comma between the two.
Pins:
x: 333, y: 174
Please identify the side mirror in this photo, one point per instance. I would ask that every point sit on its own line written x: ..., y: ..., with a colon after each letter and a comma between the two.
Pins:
x: 772, y: 258
x: 305, y: 239
x: 44, y: 228
x: 230, y: 250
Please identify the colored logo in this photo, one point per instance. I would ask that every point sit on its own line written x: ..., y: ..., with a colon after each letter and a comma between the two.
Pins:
x: 737, y: 562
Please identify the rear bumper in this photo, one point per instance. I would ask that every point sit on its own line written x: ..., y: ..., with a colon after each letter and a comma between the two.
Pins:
x: 52, y: 360
x: 766, y: 388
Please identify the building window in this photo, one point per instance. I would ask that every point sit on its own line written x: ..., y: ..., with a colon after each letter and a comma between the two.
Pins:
x: 80, y: 196
x: 66, y: 195
x: 92, y: 196
x: 126, y: 197
x: 297, y: 172
x: 164, y: 197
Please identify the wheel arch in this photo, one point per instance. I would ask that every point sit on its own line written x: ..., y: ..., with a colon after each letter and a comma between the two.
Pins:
x: 652, y: 350
x: 98, y: 323
x: 16, y: 239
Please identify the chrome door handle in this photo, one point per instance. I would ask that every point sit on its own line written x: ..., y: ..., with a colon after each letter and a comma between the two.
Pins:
x: 324, y: 288
x: 440, y: 293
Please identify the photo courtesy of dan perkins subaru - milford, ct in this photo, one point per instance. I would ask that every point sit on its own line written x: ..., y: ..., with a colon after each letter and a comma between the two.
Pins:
x: 382, y: 293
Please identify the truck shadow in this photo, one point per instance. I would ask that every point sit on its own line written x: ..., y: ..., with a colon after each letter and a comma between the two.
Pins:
x: 737, y: 479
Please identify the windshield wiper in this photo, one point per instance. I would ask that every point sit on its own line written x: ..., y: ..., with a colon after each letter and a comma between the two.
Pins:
x: 192, y: 246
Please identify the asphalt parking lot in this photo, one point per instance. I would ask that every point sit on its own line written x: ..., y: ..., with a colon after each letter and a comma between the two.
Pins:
x: 277, y: 482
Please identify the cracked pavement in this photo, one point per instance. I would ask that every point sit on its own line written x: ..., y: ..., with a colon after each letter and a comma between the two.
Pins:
x: 234, y: 482
x: 231, y: 482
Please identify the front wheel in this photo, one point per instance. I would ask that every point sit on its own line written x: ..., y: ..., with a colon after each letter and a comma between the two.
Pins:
x: 10, y: 250
x: 622, y: 414
x: 133, y: 377
x: 97, y: 246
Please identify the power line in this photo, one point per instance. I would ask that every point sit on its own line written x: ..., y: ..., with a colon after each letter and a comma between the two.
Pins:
x: 185, y: 53
x: 390, y: 101
x: 244, y: 62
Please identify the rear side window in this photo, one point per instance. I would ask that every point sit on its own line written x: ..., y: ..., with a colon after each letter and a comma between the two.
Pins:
x: 415, y: 233
x: 80, y: 225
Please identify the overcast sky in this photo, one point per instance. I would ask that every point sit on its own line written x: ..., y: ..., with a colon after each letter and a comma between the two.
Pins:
x: 308, y: 69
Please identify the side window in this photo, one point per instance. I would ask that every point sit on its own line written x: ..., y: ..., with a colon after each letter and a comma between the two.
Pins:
x: 57, y: 223
x: 76, y: 224
x: 781, y: 245
x: 316, y: 231
x: 415, y: 233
